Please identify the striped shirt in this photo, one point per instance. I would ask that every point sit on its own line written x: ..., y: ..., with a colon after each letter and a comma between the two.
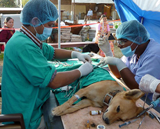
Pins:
x: 27, y: 32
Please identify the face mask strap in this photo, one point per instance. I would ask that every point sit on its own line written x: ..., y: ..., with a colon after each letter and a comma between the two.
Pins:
x: 36, y: 30
x: 135, y: 48
x: 131, y: 44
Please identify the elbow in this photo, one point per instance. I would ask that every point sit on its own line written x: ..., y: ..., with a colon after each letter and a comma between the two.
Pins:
x: 54, y: 84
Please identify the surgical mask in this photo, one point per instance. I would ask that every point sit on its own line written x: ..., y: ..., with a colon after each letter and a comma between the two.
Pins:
x: 46, y: 33
x: 127, y: 51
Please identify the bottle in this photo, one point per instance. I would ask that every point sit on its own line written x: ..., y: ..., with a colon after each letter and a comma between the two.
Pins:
x: 95, y: 112
x: 88, y: 125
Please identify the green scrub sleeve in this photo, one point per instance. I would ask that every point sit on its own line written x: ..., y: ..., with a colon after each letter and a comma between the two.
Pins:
x: 48, y: 51
x: 34, y: 66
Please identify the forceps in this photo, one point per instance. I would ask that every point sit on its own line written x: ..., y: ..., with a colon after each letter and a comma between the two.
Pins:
x: 96, y: 66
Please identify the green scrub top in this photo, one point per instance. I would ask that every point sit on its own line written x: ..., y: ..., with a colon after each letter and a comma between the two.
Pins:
x: 26, y: 74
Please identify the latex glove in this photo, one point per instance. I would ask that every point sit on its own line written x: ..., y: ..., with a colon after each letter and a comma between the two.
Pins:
x: 148, y: 83
x: 113, y: 61
x: 104, y: 45
x: 80, y: 56
x: 85, y: 69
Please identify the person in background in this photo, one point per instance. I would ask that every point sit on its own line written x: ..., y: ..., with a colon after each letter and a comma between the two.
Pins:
x: 27, y: 76
x: 7, y: 32
x: 141, y: 55
x: 89, y: 14
x: 103, y: 31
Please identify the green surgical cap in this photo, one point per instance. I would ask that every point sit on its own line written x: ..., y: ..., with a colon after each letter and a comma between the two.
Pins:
x: 44, y: 10
x: 133, y: 31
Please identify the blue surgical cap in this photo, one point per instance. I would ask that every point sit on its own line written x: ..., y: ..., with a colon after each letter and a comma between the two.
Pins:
x: 44, y: 10
x: 133, y: 31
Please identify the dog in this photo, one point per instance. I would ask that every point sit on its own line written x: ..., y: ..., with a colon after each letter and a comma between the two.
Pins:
x: 121, y: 104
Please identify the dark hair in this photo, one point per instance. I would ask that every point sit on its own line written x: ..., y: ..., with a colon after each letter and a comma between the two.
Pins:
x: 7, y: 19
x: 102, y: 16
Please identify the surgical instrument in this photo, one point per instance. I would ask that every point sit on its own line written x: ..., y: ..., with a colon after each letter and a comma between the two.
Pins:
x: 96, y: 66
x: 128, y: 122
x: 153, y: 105
x: 156, y: 116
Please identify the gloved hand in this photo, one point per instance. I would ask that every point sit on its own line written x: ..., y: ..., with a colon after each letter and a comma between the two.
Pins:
x: 112, y: 61
x: 80, y: 56
x: 104, y: 45
x: 148, y: 83
x: 85, y: 69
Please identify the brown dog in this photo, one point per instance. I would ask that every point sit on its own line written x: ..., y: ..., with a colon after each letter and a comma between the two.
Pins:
x: 121, y: 107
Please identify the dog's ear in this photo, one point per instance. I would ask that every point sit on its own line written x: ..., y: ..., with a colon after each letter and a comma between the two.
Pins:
x: 134, y: 94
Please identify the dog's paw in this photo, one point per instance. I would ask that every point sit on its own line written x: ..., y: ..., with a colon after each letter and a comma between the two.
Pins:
x: 56, y: 111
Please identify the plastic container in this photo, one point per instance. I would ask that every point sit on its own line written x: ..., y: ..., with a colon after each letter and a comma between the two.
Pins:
x: 95, y: 112
x: 100, y: 127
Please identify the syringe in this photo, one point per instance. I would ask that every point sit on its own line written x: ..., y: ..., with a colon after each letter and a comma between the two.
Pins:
x: 128, y: 122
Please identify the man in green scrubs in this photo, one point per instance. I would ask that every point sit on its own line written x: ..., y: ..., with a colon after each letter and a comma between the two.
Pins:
x: 27, y: 76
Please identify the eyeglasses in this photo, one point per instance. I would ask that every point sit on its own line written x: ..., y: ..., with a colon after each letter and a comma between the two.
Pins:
x: 122, y: 42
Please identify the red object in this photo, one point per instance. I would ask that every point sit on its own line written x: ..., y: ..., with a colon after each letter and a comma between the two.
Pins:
x: 5, y: 35
x: 2, y: 47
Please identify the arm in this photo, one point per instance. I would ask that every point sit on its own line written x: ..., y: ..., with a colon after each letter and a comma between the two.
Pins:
x: 114, y: 70
x: 147, y: 65
x: 129, y: 78
x: 40, y: 73
x: 119, y: 68
x: 99, y: 30
x: 66, y: 54
x: 158, y: 88
x: 62, y: 53
x: 150, y: 84
x: 64, y: 78
x: 126, y: 75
